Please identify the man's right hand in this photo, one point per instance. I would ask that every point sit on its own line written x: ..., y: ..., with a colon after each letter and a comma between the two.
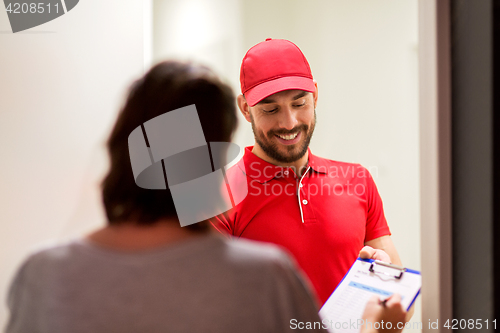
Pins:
x: 391, y: 312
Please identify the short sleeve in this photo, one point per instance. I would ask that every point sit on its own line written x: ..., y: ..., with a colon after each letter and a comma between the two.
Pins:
x: 376, y: 223
x: 20, y: 303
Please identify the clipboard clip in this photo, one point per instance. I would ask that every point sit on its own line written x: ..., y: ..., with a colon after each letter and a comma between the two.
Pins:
x: 381, y: 263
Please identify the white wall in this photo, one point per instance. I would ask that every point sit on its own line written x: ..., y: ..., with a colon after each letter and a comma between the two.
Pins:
x: 61, y: 85
x: 363, y: 54
x: 206, y: 31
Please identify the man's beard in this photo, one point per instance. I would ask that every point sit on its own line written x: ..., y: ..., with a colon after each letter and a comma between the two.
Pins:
x: 271, y: 148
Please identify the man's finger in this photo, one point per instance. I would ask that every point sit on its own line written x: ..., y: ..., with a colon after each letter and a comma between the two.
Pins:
x: 367, y: 252
x: 381, y: 255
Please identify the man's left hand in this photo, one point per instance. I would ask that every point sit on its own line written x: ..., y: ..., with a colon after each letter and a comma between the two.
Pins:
x: 369, y: 252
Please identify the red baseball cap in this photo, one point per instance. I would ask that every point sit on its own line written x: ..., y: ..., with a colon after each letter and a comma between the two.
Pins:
x: 273, y: 66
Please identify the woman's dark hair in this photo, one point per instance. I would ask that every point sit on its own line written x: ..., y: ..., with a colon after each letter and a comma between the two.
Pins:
x: 166, y: 87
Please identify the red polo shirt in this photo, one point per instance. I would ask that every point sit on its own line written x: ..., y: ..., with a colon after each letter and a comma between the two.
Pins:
x: 323, y: 218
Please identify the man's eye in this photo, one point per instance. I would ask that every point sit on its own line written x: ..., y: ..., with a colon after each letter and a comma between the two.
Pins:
x: 299, y: 105
x: 270, y: 111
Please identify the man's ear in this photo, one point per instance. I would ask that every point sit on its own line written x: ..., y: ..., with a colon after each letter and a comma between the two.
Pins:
x: 315, y: 94
x: 244, y: 107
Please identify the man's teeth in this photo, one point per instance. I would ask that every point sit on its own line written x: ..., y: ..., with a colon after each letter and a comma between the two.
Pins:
x: 288, y: 137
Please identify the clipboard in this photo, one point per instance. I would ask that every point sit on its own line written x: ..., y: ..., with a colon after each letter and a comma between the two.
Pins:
x: 365, y: 278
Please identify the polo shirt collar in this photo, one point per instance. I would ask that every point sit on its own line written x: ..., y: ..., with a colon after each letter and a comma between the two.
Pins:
x: 316, y: 163
x: 258, y: 169
x: 262, y: 171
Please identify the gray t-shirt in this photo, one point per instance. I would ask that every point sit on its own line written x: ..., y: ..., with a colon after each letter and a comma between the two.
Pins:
x: 207, y: 284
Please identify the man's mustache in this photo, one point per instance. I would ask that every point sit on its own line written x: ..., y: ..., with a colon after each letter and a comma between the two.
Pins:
x: 294, y: 130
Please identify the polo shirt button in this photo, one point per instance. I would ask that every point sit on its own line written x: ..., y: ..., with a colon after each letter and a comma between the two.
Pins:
x: 301, y: 185
x: 286, y: 173
x: 304, y: 202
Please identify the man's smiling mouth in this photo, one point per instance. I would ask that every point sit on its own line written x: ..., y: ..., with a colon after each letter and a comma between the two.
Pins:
x: 288, y: 137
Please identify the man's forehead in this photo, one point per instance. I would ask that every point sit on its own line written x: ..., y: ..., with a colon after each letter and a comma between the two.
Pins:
x: 292, y: 94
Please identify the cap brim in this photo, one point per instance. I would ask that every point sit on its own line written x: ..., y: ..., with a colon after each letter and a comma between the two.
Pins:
x: 263, y: 90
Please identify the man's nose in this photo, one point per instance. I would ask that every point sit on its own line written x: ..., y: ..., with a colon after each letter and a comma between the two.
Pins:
x: 288, y: 118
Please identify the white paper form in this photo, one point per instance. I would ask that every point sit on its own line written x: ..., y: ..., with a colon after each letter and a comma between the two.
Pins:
x: 347, y: 303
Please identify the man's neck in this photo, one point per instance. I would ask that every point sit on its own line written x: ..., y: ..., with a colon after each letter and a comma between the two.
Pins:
x: 298, y: 166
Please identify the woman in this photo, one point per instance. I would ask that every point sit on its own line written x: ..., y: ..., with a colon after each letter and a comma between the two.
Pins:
x: 143, y: 272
